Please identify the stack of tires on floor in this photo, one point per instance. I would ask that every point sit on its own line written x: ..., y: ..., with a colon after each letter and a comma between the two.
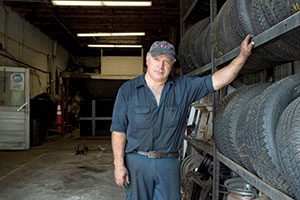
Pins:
x: 258, y: 126
x: 234, y: 21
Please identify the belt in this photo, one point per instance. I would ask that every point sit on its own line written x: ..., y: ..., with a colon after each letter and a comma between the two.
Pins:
x: 153, y: 154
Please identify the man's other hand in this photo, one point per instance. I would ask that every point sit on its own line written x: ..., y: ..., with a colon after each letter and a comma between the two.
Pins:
x: 121, y: 176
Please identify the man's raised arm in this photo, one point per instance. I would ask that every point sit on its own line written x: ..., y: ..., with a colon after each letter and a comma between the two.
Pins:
x: 228, y: 73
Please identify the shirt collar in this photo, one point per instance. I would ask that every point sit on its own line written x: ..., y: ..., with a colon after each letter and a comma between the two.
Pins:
x: 141, y: 80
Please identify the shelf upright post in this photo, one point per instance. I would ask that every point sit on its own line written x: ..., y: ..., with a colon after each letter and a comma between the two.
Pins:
x: 216, y: 166
x: 181, y: 25
x: 181, y: 20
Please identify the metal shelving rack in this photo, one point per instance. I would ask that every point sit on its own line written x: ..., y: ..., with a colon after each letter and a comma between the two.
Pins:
x: 251, y: 178
x: 289, y: 25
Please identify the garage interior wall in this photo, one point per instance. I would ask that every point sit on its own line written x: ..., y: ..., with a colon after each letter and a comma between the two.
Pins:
x: 27, y: 44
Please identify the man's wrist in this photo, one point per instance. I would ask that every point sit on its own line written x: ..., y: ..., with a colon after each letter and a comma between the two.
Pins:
x: 119, y: 163
x: 243, y: 56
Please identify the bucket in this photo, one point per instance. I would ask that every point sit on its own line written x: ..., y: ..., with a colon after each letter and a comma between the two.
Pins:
x: 239, y: 189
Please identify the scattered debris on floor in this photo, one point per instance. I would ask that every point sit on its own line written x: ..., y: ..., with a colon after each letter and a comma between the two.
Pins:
x: 81, y: 149
x: 100, y: 148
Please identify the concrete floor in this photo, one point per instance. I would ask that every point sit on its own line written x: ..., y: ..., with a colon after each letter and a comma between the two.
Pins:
x: 53, y: 171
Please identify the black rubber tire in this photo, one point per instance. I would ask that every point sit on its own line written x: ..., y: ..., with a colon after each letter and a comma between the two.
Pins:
x: 196, y: 40
x: 288, y: 145
x: 282, y: 50
x: 227, y: 121
x: 187, y: 54
x: 277, y: 10
x: 222, y: 35
x: 241, y: 19
x: 183, y: 50
x: 240, y: 25
x: 241, y: 147
x: 259, y: 59
x: 230, y: 28
x: 200, y: 27
x: 261, y: 122
x: 260, y: 24
x: 202, y: 47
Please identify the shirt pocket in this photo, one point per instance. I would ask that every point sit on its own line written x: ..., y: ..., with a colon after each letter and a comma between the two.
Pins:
x: 141, y: 118
x: 172, y: 117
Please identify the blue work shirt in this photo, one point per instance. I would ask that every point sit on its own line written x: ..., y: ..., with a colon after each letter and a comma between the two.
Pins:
x: 152, y: 127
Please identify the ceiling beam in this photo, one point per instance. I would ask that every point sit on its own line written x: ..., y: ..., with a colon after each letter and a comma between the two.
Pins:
x: 91, y: 23
x: 107, y: 27
x: 105, y: 16
x: 44, y: 9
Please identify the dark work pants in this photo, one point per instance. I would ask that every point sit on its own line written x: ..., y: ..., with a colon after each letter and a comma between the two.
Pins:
x: 152, y: 179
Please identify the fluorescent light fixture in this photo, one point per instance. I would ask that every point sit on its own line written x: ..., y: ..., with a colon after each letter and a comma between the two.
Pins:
x: 110, y: 34
x: 114, y: 46
x: 101, y: 3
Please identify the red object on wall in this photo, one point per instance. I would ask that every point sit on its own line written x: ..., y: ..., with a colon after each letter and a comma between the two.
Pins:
x: 59, y: 123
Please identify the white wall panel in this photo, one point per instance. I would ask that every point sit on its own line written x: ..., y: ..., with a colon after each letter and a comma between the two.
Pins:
x: 27, y: 44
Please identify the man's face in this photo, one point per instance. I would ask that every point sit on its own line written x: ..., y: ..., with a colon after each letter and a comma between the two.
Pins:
x: 159, y: 67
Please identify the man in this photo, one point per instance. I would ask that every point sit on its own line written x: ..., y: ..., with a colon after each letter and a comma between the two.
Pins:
x: 149, y: 119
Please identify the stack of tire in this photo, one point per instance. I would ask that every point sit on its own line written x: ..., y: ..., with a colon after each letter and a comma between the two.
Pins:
x: 235, y: 20
x: 187, y: 51
x: 258, y: 126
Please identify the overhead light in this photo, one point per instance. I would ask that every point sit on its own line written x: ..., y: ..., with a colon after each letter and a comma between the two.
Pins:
x: 101, y: 3
x: 114, y: 46
x: 110, y: 34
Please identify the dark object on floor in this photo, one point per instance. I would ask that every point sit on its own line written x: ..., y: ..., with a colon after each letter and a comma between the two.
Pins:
x: 81, y: 149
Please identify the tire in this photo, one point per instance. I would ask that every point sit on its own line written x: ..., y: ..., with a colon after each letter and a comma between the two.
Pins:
x: 241, y: 19
x: 184, y: 54
x: 202, y: 47
x: 187, y: 54
x: 259, y: 25
x: 195, y: 40
x: 227, y: 121
x: 277, y: 10
x: 230, y: 28
x: 282, y: 50
x: 222, y: 36
x: 288, y: 145
x: 261, y: 122
x: 183, y: 49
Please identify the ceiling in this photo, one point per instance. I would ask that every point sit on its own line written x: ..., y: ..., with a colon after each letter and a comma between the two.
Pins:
x: 161, y: 21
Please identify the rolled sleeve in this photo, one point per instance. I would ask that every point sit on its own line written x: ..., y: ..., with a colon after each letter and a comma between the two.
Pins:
x: 117, y: 127
x: 119, y: 118
x: 200, y: 87
x: 209, y: 83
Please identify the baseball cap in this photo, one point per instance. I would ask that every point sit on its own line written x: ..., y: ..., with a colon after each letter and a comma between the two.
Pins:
x: 162, y: 48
